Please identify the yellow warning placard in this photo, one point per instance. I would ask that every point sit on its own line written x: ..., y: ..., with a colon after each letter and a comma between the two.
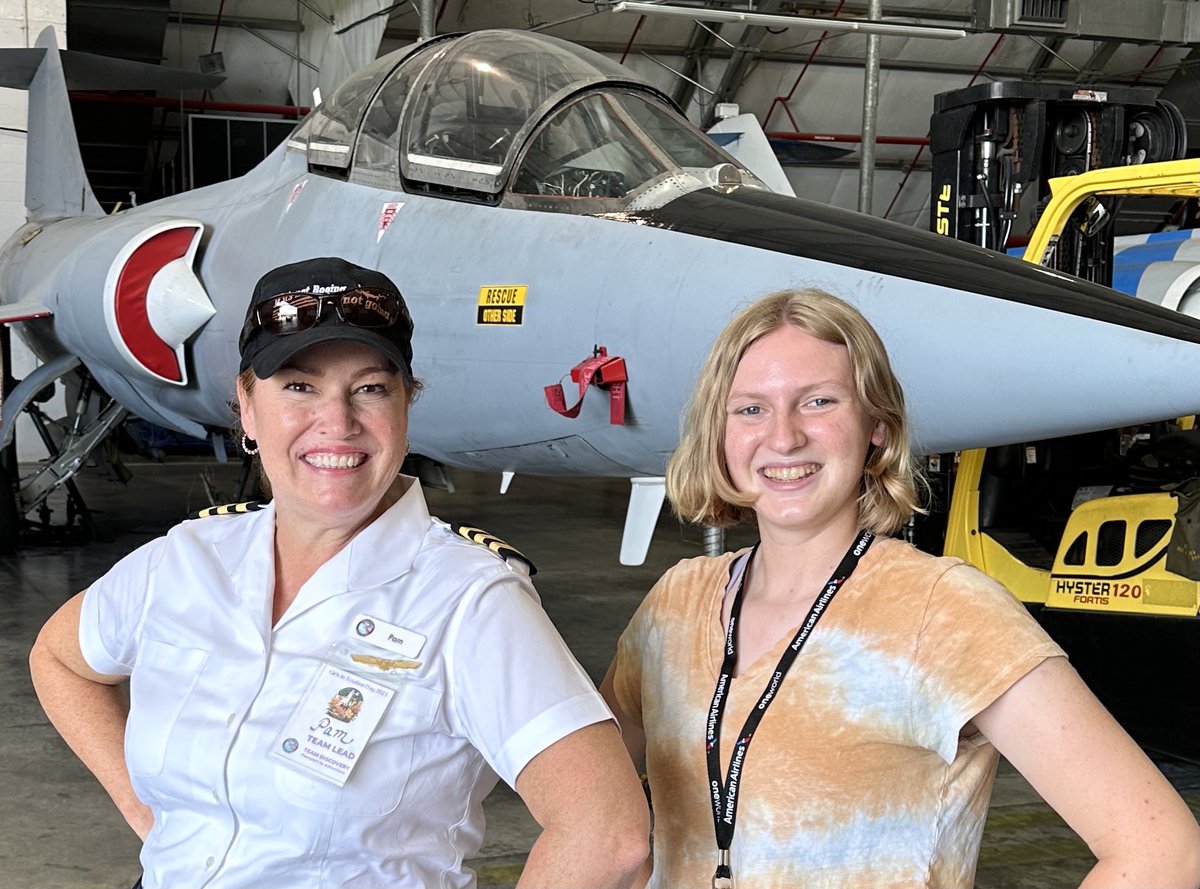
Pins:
x: 502, y: 304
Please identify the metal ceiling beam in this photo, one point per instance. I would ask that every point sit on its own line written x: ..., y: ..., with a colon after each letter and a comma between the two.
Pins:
x: 997, y: 73
x: 705, y: 13
x: 201, y: 20
x: 719, y: 51
x: 295, y: 57
x: 114, y: 7
x: 1045, y: 54
x: 922, y: 15
x: 740, y: 62
x: 1104, y: 51
x: 700, y: 44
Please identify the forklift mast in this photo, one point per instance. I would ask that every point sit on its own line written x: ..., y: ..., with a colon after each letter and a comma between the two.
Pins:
x: 996, y: 146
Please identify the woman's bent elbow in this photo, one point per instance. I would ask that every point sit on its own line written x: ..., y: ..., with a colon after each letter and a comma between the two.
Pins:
x: 1181, y: 858
x: 630, y: 853
x: 1171, y: 861
x: 620, y: 846
x: 623, y: 845
x: 1191, y: 864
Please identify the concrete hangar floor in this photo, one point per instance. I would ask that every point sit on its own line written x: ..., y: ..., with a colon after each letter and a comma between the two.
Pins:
x: 63, y: 833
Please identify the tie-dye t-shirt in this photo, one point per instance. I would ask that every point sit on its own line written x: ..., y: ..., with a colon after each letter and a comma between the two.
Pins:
x: 858, y: 775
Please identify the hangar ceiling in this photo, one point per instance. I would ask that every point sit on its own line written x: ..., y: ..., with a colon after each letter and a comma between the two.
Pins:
x: 806, y: 82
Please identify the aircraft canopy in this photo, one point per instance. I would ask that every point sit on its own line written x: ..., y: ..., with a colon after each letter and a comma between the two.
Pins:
x: 496, y: 111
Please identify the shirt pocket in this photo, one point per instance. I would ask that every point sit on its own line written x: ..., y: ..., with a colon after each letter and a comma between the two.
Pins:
x: 376, y: 785
x: 159, y: 688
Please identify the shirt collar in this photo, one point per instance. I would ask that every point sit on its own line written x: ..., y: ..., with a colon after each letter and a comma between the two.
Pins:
x: 380, y: 552
x: 245, y: 544
x: 386, y: 548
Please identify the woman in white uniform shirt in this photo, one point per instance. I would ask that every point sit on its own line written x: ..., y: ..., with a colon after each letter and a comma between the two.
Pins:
x: 323, y: 692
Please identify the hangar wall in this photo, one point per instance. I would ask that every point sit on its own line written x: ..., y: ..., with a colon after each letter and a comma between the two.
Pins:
x: 20, y: 23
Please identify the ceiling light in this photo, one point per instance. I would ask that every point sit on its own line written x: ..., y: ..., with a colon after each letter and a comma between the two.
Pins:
x: 702, y: 14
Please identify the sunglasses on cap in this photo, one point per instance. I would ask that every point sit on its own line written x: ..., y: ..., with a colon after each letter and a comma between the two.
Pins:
x: 288, y: 313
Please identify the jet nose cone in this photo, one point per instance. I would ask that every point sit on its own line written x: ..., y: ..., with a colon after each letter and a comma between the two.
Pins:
x: 177, y: 303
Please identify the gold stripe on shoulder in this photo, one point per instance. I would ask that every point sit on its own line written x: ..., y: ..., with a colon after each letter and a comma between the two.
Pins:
x: 492, y: 542
x: 228, y: 509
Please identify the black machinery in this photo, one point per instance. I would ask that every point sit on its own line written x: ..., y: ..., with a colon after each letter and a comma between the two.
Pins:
x: 995, y: 145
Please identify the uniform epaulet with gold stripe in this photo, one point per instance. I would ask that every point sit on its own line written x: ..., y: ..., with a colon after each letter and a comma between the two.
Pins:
x: 505, y: 551
x: 228, y: 509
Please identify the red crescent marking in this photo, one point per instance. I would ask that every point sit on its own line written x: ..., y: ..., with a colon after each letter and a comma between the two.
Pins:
x: 133, y: 285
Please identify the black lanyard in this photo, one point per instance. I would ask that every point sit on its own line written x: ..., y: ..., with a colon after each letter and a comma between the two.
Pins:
x: 725, y: 796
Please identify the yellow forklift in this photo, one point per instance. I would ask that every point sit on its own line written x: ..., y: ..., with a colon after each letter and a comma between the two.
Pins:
x: 1111, y: 555
x: 1098, y: 534
x: 1086, y: 523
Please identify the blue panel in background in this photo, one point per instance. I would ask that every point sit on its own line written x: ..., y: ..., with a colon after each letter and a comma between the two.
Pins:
x: 1129, y: 264
x: 724, y: 139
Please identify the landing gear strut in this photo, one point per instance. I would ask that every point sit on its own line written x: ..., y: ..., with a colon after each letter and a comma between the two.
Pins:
x: 92, y: 416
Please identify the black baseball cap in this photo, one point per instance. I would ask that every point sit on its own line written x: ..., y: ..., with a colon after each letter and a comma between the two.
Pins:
x: 326, y: 276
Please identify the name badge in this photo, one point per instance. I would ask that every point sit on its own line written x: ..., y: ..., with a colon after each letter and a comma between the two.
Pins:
x: 393, y: 637
x: 329, y: 730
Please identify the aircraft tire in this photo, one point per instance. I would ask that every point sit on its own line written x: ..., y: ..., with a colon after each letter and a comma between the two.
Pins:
x: 10, y: 519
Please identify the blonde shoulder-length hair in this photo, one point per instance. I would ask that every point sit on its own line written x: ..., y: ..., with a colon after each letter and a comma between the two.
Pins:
x: 698, y: 482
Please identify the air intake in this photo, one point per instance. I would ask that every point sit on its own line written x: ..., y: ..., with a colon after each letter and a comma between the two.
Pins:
x: 1042, y: 12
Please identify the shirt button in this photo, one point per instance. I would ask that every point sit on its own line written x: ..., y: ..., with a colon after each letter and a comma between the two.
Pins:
x: 216, y: 797
x: 210, y: 862
x: 230, y: 719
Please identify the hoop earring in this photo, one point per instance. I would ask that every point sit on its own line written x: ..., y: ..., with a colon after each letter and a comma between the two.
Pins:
x: 249, y: 445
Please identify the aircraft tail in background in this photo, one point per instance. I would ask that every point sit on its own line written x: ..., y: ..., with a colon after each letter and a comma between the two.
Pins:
x: 743, y: 137
x: 55, y: 182
x: 56, y: 185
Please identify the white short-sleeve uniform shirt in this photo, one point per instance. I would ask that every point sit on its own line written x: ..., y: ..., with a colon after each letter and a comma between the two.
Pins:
x: 188, y: 618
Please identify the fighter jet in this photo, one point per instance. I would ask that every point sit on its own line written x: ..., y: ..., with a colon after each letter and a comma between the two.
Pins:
x: 569, y: 245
